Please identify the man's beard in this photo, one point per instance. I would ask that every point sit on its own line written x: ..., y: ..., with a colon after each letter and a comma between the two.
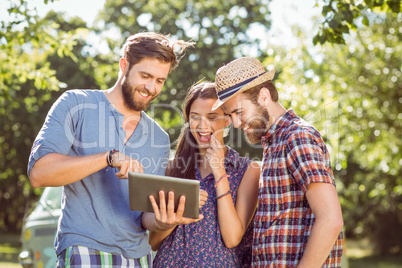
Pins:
x: 129, y: 97
x: 258, y: 125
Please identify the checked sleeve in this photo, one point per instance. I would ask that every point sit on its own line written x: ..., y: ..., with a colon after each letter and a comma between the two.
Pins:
x: 308, y: 159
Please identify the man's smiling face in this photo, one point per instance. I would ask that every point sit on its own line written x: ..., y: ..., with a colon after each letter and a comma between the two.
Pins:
x: 143, y: 83
x: 251, y: 117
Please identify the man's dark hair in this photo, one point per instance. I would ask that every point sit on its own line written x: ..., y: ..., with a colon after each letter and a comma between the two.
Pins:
x: 154, y: 46
x: 252, y: 93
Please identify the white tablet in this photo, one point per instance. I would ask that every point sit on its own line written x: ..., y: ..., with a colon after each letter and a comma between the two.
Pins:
x: 141, y: 186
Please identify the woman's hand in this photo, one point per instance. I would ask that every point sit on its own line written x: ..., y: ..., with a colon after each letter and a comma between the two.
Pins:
x: 165, y: 217
x: 216, y: 155
x: 203, y: 197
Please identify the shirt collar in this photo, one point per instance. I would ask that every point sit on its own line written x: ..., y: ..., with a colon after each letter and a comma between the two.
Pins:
x: 144, y: 121
x: 282, y: 121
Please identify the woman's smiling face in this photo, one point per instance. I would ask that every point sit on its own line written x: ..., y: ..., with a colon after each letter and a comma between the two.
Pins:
x: 204, y: 122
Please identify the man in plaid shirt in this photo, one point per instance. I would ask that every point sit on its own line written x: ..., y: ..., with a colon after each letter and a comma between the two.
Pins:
x: 298, y: 222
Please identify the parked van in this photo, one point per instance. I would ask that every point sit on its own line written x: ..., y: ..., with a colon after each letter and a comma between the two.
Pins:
x: 39, y: 230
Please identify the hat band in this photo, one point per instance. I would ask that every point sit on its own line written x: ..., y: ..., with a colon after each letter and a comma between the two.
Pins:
x: 226, y: 93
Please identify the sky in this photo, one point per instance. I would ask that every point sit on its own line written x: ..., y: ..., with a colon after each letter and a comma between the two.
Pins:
x: 284, y: 13
x: 85, y: 9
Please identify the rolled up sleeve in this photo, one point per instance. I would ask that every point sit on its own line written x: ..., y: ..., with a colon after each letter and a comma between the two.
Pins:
x: 57, y: 132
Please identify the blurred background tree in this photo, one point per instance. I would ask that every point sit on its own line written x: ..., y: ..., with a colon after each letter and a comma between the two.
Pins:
x: 340, y: 17
x: 351, y: 92
x: 27, y: 83
x: 41, y: 58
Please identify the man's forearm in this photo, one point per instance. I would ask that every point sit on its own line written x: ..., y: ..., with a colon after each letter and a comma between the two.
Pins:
x: 320, y: 243
x: 58, y: 170
x: 324, y: 202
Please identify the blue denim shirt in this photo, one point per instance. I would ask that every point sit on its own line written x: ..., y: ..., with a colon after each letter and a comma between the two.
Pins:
x: 95, y: 210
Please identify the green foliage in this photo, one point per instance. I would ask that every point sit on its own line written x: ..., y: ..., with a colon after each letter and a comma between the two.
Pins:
x: 342, y: 16
x: 76, y: 71
x: 30, y: 48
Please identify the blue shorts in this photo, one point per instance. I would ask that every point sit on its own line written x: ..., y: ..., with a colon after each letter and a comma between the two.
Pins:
x: 78, y: 256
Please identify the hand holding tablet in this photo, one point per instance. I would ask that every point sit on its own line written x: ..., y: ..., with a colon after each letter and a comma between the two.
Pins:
x: 141, y: 186
x: 165, y: 215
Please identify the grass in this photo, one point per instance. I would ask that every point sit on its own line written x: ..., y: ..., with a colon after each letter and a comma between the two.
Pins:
x: 359, y: 253
x: 10, y: 265
x: 376, y: 262
x: 9, y: 249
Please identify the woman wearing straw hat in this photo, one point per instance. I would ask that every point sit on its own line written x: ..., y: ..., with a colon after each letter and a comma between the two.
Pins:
x: 298, y: 220
x: 223, y: 237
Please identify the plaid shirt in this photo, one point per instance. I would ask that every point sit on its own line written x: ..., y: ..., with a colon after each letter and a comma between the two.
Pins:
x: 294, y: 156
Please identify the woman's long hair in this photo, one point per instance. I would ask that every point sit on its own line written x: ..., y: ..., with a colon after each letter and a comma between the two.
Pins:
x: 185, y: 161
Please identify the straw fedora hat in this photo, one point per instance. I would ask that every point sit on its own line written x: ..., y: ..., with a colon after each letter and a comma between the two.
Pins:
x: 238, y: 76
